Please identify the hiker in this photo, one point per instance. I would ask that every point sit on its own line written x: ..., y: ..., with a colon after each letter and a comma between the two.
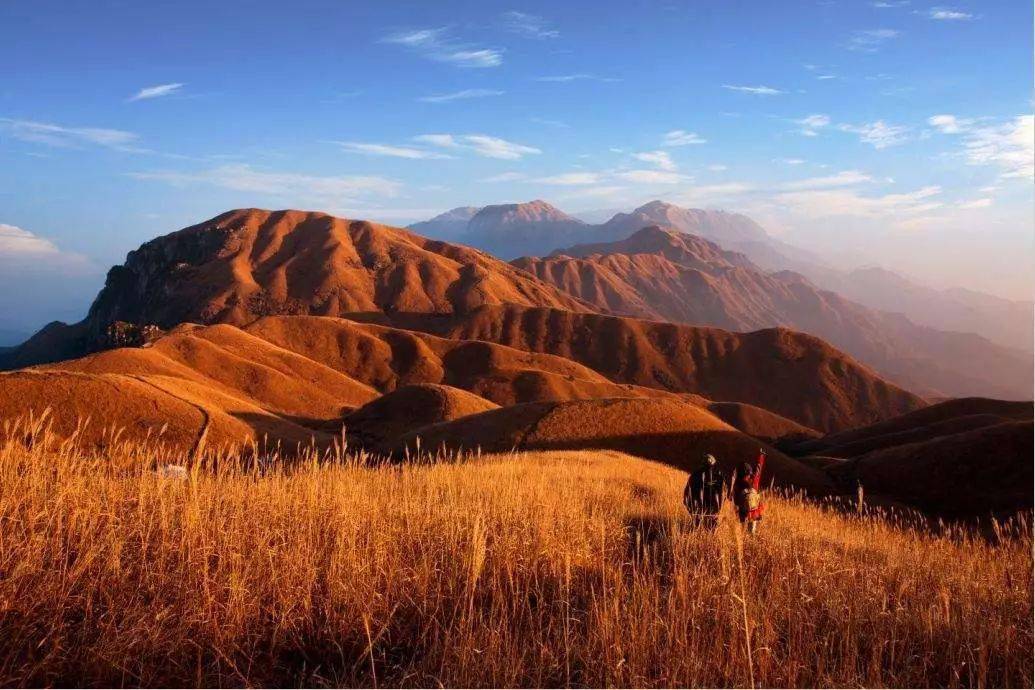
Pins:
x: 747, y: 493
x: 705, y: 492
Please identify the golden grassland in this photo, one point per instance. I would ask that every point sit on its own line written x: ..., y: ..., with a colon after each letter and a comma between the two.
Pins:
x: 546, y: 569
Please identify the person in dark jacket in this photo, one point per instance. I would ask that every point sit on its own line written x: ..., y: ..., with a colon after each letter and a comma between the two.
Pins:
x: 705, y: 492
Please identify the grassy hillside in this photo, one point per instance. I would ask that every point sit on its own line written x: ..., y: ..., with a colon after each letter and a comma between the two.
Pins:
x: 562, y: 568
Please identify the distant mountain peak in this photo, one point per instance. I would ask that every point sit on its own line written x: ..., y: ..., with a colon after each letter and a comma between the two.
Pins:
x: 464, y: 213
x: 535, y: 210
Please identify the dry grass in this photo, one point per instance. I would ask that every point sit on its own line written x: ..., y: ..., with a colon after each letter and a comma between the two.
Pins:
x: 565, y: 568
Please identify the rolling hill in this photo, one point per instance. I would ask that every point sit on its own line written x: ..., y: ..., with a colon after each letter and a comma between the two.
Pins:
x: 965, y: 458
x: 797, y: 376
x: 668, y: 431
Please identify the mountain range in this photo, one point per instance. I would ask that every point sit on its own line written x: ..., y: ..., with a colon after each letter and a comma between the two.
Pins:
x: 244, y: 265
x: 671, y: 276
x: 292, y: 327
x: 538, y: 229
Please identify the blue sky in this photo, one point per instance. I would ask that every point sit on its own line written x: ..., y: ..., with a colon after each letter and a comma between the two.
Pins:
x: 876, y: 132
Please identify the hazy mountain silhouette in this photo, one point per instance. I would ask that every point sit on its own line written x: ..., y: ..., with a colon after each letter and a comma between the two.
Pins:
x: 671, y: 276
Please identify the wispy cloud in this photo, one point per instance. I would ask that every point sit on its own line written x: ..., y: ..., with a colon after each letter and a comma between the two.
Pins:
x: 945, y: 14
x: 1009, y: 146
x: 679, y: 137
x: 871, y: 40
x: 576, y: 179
x: 156, y: 91
x: 481, y: 144
x: 528, y: 25
x: 294, y: 188
x: 948, y: 124
x: 756, y: 90
x: 581, y: 76
x: 845, y: 178
x: 558, y: 124
x: 388, y: 150
x: 810, y: 124
x: 651, y: 176
x: 983, y: 202
x: 70, y: 137
x: 506, y: 177
x: 460, y: 95
x: 878, y: 134
x: 889, y: 4
x: 15, y: 241
x: 438, y: 45
x: 658, y: 158
x: 832, y: 203
x: 21, y: 249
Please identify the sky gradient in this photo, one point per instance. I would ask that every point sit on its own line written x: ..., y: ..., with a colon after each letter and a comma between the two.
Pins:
x: 895, y: 133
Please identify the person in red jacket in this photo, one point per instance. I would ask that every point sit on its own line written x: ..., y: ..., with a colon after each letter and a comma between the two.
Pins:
x: 747, y: 493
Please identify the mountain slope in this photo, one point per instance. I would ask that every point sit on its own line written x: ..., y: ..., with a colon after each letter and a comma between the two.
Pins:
x: 661, y: 274
x: 249, y: 263
x: 668, y: 431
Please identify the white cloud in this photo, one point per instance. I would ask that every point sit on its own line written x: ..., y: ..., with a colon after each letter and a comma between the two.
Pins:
x: 70, y: 137
x: 17, y: 242
x: 437, y: 45
x: 651, y: 176
x: 945, y: 14
x: 295, y: 188
x: 506, y: 177
x: 582, y: 76
x: 460, y: 95
x: 878, y: 134
x: 845, y: 178
x: 481, y: 144
x: 792, y: 161
x: 832, y: 203
x: 528, y: 25
x: 709, y: 195
x: 756, y: 90
x: 888, y: 4
x: 658, y: 158
x: 812, y: 123
x: 156, y: 91
x: 717, y: 167
x: 871, y: 40
x: 24, y: 252
x: 549, y: 123
x: 679, y: 137
x: 388, y: 150
x: 1011, y: 147
x: 948, y: 124
x: 576, y: 179
x: 609, y: 191
x: 975, y: 203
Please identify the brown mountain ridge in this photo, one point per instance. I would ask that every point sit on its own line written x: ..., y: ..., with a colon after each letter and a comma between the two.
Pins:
x: 659, y: 273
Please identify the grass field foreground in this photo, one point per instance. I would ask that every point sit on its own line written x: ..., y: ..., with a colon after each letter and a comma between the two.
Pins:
x: 551, y: 569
